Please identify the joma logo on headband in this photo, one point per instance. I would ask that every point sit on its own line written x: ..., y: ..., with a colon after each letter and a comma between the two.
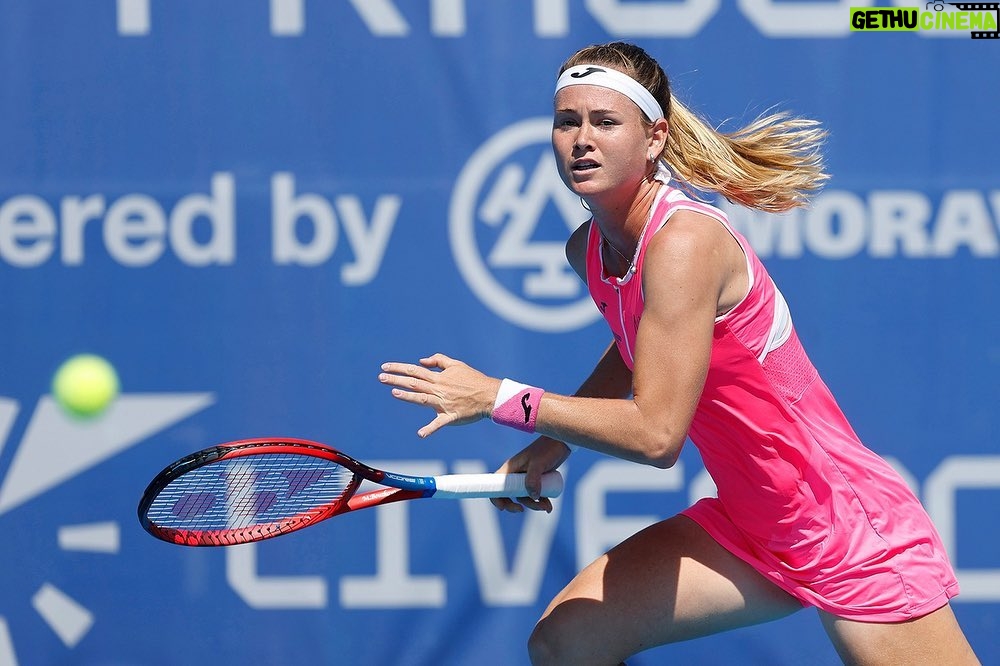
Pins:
x: 586, y: 72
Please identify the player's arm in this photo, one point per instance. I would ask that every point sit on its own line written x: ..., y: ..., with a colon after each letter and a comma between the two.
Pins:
x: 684, y: 273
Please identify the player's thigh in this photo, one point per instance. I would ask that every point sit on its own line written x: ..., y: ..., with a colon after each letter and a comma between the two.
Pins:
x: 667, y: 583
x: 932, y: 640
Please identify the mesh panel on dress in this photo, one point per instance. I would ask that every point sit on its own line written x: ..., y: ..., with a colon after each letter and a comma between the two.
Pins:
x: 789, y: 369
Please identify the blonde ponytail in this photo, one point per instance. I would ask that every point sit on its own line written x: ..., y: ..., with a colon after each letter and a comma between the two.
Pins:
x: 772, y: 164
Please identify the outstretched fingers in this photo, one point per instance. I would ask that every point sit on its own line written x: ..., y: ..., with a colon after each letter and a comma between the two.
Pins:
x: 458, y: 393
x: 395, y: 373
x: 413, y: 384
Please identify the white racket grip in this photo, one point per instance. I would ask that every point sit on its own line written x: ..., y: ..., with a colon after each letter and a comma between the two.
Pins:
x: 459, y: 486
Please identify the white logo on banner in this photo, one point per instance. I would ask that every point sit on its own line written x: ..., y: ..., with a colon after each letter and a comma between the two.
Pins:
x: 496, y: 210
x: 56, y: 448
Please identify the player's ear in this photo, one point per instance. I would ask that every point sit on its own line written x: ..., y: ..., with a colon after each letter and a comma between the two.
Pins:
x: 658, y: 136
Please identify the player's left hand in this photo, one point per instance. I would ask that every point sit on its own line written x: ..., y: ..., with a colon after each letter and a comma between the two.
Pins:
x: 457, y: 392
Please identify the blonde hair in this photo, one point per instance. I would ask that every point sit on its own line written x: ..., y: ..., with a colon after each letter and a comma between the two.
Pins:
x: 772, y: 164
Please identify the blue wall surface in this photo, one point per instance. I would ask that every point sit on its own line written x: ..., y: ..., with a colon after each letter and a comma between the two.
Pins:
x: 248, y: 206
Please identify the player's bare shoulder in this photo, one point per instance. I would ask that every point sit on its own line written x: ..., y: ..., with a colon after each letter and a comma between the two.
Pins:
x: 693, y: 249
x: 688, y: 239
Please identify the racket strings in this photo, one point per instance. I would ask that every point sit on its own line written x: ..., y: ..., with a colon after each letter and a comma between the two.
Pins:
x: 249, y: 491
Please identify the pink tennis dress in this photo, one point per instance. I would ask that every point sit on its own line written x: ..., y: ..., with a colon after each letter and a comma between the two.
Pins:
x: 800, y: 498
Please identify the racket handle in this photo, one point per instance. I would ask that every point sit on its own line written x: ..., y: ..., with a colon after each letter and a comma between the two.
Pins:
x: 458, y: 486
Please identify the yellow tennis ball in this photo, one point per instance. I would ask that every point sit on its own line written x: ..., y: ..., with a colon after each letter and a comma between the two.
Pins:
x: 85, y: 385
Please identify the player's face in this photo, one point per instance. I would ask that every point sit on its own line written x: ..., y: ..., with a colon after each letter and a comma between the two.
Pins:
x: 600, y: 141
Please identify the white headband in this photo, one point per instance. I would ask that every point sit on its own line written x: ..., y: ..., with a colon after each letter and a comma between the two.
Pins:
x: 605, y: 77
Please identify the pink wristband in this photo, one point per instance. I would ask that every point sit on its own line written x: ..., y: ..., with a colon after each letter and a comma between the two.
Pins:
x: 517, y: 405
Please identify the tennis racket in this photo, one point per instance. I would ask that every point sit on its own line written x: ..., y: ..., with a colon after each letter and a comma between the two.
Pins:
x: 256, y: 489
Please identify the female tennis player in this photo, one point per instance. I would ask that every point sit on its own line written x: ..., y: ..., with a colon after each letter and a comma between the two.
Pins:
x: 704, y: 348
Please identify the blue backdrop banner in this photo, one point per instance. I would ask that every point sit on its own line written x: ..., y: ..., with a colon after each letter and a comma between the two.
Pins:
x: 248, y: 206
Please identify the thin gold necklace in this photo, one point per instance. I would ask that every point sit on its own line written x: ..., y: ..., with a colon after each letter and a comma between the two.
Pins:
x: 628, y: 262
